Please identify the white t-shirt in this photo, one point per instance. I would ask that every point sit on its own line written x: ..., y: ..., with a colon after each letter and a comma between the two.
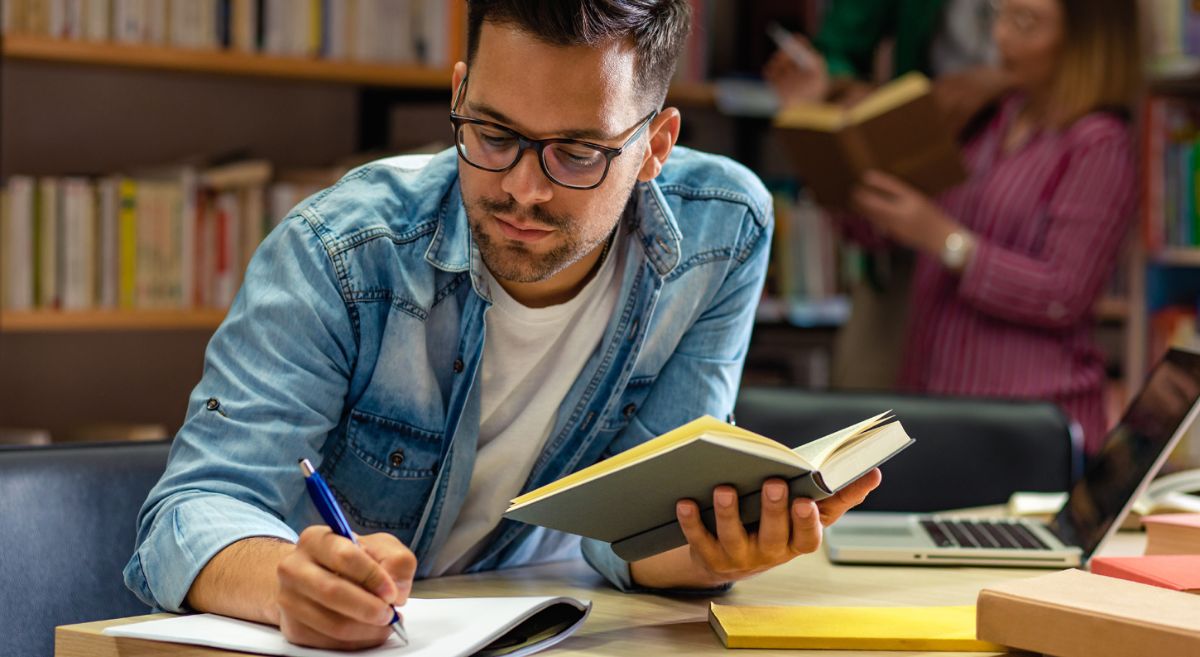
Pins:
x: 531, y: 357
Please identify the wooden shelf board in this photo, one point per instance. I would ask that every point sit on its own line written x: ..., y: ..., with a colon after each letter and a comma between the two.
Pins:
x: 223, y: 62
x: 52, y: 321
x: 1183, y: 257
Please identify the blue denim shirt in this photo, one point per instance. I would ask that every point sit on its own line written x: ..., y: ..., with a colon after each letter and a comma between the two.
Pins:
x: 356, y: 342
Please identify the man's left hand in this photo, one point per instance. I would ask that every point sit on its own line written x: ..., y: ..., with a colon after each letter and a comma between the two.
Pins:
x: 786, y: 530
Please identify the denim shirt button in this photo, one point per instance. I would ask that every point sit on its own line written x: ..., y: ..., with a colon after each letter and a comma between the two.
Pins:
x: 629, y: 410
x: 458, y: 366
x: 212, y: 404
x: 396, y: 458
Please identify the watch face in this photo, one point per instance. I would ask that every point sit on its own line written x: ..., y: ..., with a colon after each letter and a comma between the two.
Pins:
x: 954, y: 251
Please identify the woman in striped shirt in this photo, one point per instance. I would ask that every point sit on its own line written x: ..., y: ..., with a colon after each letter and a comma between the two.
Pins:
x: 1011, y: 262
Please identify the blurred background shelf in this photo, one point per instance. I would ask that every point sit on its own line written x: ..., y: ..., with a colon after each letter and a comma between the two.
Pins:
x: 55, y: 321
x: 223, y: 62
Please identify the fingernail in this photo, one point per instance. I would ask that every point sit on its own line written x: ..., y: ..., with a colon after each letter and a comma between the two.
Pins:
x: 385, y: 590
x: 724, y: 498
x: 804, y: 509
x: 386, y: 616
x: 774, y: 492
x: 684, y: 510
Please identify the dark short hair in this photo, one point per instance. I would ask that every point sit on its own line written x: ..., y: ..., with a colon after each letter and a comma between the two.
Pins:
x: 657, y: 28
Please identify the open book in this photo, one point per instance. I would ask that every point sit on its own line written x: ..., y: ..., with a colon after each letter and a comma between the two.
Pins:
x: 629, y: 499
x: 450, y: 627
x: 897, y: 129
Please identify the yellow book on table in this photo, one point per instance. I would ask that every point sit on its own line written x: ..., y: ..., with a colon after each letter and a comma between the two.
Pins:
x: 849, y: 628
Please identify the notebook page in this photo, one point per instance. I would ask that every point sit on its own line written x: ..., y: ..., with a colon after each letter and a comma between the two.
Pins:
x: 436, y: 627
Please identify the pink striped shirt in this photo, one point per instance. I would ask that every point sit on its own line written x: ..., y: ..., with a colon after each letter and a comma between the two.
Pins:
x: 1018, y: 322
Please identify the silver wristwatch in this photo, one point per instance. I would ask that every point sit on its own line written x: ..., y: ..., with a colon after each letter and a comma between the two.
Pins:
x: 957, y: 249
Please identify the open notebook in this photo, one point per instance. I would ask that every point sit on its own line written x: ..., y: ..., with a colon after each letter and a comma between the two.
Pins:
x: 452, y: 627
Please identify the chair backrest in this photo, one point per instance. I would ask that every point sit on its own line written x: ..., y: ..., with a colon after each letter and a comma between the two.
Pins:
x: 968, y: 452
x: 67, y: 526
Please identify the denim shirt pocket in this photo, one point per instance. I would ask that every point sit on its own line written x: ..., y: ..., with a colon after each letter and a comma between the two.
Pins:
x: 631, y: 401
x: 383, y: 472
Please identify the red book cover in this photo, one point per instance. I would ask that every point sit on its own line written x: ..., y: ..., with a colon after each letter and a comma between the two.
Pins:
x: 1178, y: 572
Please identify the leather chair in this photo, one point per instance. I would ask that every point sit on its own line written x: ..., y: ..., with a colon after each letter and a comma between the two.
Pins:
x: 968, y: 452
x: 67, y: 526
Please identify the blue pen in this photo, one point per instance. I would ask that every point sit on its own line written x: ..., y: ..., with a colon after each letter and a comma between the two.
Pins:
x: 328, y: 507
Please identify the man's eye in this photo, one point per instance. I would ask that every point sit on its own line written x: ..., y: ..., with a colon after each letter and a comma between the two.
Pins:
x: 496, y: 139
x: 580, y: 156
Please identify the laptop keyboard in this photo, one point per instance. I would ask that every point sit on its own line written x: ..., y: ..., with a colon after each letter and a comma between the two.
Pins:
x: 950, y: 532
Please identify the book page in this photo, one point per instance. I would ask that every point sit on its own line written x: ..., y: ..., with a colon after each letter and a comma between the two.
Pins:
x: 449, y: 627
x: 818, y: 451
x: 854, y: 458
x: 902, y: 90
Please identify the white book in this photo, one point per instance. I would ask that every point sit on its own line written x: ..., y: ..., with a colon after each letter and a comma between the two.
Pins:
x: 276, y: 27
x: 435, y: 33
x: 128, y: 21
x: 452, y: 627
x: 78, y: 240
x: 18, y: 243
x: 108, y: 200
x: 97, y: 19
x: 72, y: 20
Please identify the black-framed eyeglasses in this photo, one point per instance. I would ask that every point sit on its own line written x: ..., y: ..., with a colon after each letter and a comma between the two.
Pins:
x: 571, y: 163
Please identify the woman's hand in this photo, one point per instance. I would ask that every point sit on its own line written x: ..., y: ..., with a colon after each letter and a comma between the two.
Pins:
x: 902, y: 212
x: 795, y: 84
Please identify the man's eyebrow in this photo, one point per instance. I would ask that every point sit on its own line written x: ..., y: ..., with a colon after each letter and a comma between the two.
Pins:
x: 499, y: 117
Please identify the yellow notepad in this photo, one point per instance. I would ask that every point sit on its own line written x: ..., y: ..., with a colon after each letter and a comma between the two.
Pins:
x: 849, y: 628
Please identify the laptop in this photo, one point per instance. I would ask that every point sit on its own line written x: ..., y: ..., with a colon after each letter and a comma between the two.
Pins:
x: 1132, y: 455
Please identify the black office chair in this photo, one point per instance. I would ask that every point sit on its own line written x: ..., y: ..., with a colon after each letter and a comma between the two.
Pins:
x: 67, y: 526
x: 968, y: 452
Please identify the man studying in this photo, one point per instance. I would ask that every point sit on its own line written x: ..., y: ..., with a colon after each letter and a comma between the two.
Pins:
x: 438, y: 339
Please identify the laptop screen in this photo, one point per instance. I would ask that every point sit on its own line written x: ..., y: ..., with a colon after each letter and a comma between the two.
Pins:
x: 1134, y: 450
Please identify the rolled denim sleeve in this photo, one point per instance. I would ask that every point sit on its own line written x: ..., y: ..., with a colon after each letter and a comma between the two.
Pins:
x: 275, y: 379
x: 702, y: 374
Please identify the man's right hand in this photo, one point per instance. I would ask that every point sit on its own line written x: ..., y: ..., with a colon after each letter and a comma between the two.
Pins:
x: 334, y: 594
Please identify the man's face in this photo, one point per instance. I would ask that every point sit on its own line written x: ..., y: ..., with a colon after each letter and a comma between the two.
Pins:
x: 528, y: 228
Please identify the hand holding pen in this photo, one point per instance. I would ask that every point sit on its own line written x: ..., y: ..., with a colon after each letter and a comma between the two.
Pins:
x: 337, y: 590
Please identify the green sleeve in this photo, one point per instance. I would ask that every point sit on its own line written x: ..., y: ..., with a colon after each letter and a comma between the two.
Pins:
x: 850, y: 33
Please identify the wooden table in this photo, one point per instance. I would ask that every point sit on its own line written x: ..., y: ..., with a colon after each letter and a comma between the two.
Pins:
x: 632, y: 625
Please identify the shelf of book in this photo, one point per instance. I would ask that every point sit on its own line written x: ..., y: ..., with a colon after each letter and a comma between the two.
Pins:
x: 56, y: 321
x: 222, y: 62
x: 1178, y: 257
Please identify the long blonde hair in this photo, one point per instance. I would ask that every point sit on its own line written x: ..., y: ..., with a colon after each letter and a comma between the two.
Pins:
x: 1100, y: 61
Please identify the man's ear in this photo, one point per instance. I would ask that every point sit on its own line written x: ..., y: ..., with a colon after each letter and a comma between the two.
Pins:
x: 456, y: 78
x: 664, y: 132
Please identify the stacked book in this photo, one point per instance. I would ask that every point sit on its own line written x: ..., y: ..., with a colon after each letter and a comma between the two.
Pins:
x: 166, y: 239
x: 415, y: 32
x: 1171, y: 152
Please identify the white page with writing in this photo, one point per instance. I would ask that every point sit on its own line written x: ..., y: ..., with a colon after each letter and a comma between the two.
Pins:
x: 442, y: 627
